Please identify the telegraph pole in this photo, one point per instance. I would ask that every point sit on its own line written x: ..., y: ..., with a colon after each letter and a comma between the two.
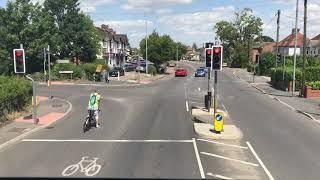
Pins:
x: 295, y: 50
x: 278, y: 28
x: 304, y: 48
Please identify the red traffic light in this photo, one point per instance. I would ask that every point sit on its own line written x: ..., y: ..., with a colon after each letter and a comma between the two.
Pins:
x: 18, y: 53
x: 208, y: 51
x: 216, y: 50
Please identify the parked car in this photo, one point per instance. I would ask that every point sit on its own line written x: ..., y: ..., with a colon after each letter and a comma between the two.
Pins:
x: 141, y: 68
x: 171, y: 64
x: 128, y: 67
x: 204, y: 68
x: 114, y: 72
x: 181, y: 72
x: 161, y: 68
x: 200, y: 73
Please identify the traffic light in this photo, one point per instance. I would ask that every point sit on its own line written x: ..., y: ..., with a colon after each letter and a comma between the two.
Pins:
x: 257, y: 59
x: 217, y: 58
x: 279, y: 58
x: 19, y: 61
x: 208, y: 57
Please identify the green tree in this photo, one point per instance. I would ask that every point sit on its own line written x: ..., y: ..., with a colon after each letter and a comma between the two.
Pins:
x: 74, y: 32
x: 264, y: 39
x: 161, y: 48
x: 237, y: 36
x: 21, y: 24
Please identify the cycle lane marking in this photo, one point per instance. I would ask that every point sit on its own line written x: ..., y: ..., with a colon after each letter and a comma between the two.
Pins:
x: 73, y: 168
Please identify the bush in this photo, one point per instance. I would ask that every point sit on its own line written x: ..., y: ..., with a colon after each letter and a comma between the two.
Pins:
x: 267, y: 61
x: 312, y: 74
x: 82, y: 71
x: 15, y: 94
x: 315, y: 85
x: 250, y: 67
x: 152, y: 70
x: 277, y: 76
x: 39, y: 76
x: 89, y: 70
x: 66, y: 67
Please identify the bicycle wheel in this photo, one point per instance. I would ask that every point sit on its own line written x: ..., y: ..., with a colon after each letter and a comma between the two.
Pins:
x: 86, y: 125
x: 93, y: 170
x: 70, y: 170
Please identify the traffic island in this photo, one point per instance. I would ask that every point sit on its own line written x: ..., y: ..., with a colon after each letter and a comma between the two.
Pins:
x: 204, y: 112
x: 204, y: 130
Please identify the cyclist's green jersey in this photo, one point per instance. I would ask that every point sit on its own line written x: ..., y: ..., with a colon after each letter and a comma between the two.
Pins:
x: 94, y: 101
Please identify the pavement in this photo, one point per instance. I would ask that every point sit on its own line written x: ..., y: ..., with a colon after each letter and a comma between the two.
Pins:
x: 48, y: 111
x: 148, y: 132
x: 130, y: 79
x: 309, y: 106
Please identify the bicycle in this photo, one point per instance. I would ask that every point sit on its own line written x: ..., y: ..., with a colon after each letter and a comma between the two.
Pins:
x: 90, y: 121
x: 90, y: 169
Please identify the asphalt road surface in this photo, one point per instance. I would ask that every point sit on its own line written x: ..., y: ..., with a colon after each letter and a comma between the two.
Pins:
x: 147, y: 132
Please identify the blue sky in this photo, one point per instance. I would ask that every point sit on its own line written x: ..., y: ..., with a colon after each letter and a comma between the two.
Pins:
x: 192, y: 20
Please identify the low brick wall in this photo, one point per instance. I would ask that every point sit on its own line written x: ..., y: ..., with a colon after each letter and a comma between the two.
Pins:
x: 311, y: 93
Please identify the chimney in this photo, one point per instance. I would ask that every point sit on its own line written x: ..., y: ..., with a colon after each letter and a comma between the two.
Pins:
x: 293, y: 30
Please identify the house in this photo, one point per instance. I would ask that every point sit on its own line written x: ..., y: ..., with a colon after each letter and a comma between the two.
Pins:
x: 114, y: 47
x: 263, y: 47
x: 315, y: 46
x: 192, y: 54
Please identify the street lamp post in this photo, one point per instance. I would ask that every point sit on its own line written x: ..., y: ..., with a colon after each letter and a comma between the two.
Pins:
x: 146, y: 47
x: 295, y: 51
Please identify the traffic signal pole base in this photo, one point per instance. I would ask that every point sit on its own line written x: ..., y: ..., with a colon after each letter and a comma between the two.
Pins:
x: 205, y: 131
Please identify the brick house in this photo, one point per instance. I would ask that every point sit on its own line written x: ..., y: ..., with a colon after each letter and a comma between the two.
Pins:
x: 263, y: 47
x: 114, y: 47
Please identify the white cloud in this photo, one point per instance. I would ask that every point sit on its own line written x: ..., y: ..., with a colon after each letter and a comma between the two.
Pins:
x: 195, y: 27
x: 90, y: 5
x: 87, y: 5
x: 148, y: 5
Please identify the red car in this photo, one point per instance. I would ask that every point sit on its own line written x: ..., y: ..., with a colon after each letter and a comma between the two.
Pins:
x: 181, y: 72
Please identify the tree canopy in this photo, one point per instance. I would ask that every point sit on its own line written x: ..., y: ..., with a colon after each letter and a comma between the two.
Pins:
x: 161, y: 48
x: 237, y: 36
x: 58, y: 23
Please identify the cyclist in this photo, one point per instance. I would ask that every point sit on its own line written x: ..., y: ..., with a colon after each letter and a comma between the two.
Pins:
x: 94, y: 104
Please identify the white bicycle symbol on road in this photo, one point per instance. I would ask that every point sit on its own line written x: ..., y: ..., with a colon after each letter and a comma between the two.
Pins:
x: 90, y: 169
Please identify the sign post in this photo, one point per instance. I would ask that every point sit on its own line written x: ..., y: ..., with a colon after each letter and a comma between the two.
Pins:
x: 218, y: 122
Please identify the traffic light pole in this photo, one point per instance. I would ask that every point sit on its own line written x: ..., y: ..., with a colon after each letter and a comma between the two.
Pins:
x: 34, y: 115
x: 215, y: 92
x: 49, y: 69
x: 209, y: 92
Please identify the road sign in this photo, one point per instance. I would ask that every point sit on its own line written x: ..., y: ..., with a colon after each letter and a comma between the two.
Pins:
x: 218, y: 121
x: 99, y: 68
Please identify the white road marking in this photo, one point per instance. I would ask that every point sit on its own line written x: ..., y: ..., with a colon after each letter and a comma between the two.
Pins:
x: 199, y: 89
x: 193, y: 102
x: 218, y: 176
x: 185, y: 91
x: 224, y: 107
x: 187, y: 106
x: 108, y: 140
x: 86, y: 166
x: 198, y: 158
x: 231, y: 159
x: 215, y: 142
x: 284, y: 103
x: 260, y: 162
